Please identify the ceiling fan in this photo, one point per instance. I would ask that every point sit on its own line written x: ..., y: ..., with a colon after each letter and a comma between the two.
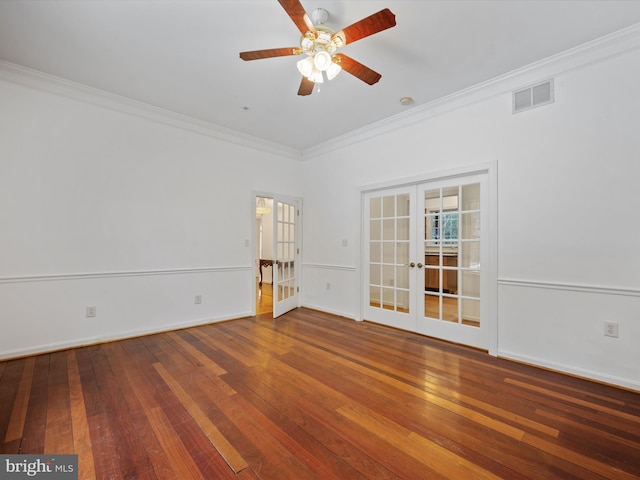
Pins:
x: 320, y: 45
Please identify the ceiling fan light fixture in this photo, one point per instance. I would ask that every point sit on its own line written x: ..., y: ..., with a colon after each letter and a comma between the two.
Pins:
x: 333, y: 70
x: 307, y: 44
x: 320, y: 43
x: 306, y: 66
x: 322, y: 61
x: 316, y: 76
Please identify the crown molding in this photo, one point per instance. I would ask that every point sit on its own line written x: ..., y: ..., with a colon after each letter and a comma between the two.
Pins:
x: 591, y: 52
x: 35, y: 79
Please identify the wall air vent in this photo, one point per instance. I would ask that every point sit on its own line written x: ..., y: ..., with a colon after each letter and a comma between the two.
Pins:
x: 533, y: 96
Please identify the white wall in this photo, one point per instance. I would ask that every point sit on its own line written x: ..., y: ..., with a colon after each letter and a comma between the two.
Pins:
x: 103, y: 207
x: 568, y: 202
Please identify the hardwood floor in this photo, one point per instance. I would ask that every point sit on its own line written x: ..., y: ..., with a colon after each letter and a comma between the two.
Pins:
x: 264, y: 298
x: 312, y: 396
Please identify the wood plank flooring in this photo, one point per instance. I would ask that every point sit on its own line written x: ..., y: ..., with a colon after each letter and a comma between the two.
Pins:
x: 312, y: 396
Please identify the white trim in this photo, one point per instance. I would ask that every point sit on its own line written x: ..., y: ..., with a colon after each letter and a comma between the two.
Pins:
x: 573, y: 287
x: 24, y: 76
x: 433, y: 176
x: 129, y: 273
x: 52, y: 347
x: 570, y: 369
x: 324, y: 309
x: 594, y: 51
x: 323, y: 266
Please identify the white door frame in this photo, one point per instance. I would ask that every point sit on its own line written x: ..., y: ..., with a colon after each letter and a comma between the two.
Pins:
x: 489, y: 168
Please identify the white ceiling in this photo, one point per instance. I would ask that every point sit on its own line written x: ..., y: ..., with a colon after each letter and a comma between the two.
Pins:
x: 183, y: 55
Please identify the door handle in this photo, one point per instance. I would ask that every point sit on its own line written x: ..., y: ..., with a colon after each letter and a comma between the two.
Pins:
x: 410, y: 265
x: 420, y: 265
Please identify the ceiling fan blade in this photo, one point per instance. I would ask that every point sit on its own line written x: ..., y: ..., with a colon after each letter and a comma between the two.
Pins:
x: 367, y: 26
x: 269, y: 53
x: 357, y: 69
x: 306, y: 87
x: 296, y: 12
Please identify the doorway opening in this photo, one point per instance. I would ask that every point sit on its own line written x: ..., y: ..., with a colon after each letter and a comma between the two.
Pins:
x: 277, y: 253
x: 264, y: 255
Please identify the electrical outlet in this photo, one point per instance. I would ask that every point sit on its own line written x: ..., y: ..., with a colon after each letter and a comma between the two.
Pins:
x: 197, y: 299
x: 611, y: 329
x: 91, y: 311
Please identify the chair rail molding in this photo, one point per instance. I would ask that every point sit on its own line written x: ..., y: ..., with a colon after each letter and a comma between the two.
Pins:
x: 573, y: 287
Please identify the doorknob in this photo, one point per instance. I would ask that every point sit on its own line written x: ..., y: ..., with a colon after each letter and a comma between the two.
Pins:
x: 412, y: 264
x: 419, y: 265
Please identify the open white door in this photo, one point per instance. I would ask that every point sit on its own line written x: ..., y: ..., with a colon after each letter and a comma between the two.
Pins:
x: 286, y: 251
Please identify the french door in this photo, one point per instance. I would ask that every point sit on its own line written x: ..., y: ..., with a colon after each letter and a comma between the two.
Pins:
x: 423, y: 248
x: 286, y: 251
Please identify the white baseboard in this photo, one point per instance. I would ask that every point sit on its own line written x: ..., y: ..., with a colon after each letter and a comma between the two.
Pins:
x: 591, y: 375
x: 328, y: 310
x: 83, y: 342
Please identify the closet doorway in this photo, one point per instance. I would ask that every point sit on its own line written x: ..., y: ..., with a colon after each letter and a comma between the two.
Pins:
x: 425, y: 253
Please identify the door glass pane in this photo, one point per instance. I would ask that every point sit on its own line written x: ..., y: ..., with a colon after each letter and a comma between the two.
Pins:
x: 432, y: 200
x: 402, y: 277
x: 450, y: 198
x: 450, y: 309
x: 375, y: 296
x: 470, y: 255
x: 388, y: 298
x: 403, y: 229
x: 389, y: 252
x: 375, y: 207
x: 470, y: 226
x: 403, y: 205
x: 388, y: 206
x: 402, y: 300
x: 375, y: 252
x: 471, y: 312
x: 402, y: 252
x: 452, y: 247
x: 375, y: 227
x: 389, y: 229
x: 375, y: 274
x: 432, y: 306
x: 388, y: 277
x: 470, y: 284
x: 471, y: 197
